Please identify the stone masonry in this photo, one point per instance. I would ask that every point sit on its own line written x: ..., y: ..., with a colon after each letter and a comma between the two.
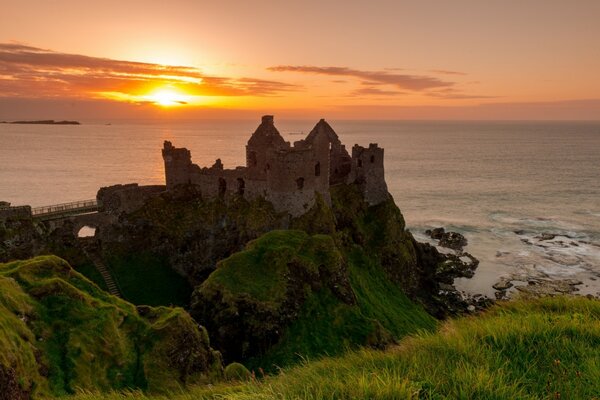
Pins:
x: 289, y: 176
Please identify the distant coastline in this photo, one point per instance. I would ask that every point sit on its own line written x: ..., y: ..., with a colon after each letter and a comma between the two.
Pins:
x: 44, y: 122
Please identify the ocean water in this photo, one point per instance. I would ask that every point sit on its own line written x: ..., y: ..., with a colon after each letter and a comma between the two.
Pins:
x: 483, y: 179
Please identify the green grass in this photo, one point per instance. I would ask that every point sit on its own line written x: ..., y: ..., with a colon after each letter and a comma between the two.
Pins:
x: 380, y: 299
x: 535, y: 349
x: 147, y: 279
x: 328, y: 327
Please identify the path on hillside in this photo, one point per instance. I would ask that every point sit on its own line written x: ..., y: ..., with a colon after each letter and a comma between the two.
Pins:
x: 111, y: 284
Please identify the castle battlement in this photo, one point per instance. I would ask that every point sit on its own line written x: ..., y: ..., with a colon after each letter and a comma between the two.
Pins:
x: 289, y: 176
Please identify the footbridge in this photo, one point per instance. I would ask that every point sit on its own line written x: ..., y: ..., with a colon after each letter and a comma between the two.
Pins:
x: 64, y: 210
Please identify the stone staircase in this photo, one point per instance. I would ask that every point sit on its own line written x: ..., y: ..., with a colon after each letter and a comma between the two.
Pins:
x: 111, y: 284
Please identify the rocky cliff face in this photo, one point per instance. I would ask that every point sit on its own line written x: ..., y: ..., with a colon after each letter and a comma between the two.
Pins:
x: 267, y: 284
x: 259, y: 302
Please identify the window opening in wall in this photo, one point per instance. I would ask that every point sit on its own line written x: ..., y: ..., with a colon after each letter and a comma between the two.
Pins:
x: 86, y: 231
x: 241, y: 186
x: 300, y: 183
x: 222, y: 187
x: 252, y: 159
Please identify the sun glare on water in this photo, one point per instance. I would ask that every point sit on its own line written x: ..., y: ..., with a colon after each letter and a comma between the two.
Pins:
x: 167, y: 98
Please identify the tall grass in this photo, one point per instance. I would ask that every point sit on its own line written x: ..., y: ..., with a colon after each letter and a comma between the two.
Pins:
x: 536, y: 349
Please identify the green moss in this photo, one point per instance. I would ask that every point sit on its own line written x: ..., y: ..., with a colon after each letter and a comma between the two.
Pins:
x: 59, y: 333
x: 237, y: 372
x: 259, y: 270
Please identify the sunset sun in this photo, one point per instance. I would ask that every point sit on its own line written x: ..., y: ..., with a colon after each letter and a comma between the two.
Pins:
x: 167, y: 98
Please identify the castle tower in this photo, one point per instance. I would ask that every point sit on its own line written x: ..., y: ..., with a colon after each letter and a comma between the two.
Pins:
x: 266, y: 138
x: 340, y: 162
x: 178, y: 164
x: 368, y: 172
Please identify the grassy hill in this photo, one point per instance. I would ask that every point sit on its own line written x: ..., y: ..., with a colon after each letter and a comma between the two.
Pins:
x: 60, y: 333
x: 290, y: 295
x: 538, y: 349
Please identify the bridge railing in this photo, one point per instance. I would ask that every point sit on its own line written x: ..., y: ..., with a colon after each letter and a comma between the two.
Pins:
x: 64, y: 207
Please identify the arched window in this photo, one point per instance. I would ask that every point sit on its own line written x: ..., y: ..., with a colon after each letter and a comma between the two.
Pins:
x: 222, y: 187
x: 86, y: 231
x: 241, y: 186
x: 360, y: 163
x: 252, y: 159
x: 372, y: 159
x: 300, y: 183
x: 318, y: 169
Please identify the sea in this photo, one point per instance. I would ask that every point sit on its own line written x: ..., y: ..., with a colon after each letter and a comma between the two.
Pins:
x: 501, y: 184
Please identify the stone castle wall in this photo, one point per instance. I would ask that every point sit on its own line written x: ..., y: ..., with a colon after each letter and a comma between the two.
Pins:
x: 288, y: 176
x: 125, y: 198
x: 14, y: 213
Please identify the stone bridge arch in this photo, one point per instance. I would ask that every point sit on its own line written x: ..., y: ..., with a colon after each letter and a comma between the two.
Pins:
x: 75, y: 223
x: 96, y: 221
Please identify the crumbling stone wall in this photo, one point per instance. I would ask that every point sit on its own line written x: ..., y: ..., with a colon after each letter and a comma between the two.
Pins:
x: 20, y: 212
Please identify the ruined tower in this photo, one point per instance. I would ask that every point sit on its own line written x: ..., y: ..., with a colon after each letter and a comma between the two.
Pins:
x: 178, y: 164
x: 266, y: 138
x: 368, y: 172
x: 340, y: 162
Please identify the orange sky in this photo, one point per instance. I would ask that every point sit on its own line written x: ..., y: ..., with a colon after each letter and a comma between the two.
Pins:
x: 343, y: 59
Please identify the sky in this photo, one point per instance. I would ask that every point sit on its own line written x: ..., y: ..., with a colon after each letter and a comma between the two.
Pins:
x: 461, y: 59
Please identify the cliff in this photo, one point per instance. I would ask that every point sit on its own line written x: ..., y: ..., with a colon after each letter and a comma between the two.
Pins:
x: 349, y: 259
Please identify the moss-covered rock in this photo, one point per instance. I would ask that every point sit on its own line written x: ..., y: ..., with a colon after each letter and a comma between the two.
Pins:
x: 59, y: 332
x: 290, y: 295
x: 18, y: 237
x: 237, y: 372
x: 251, y: 297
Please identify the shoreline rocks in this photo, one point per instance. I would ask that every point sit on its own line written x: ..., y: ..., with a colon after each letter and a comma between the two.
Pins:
x: 451, y: 240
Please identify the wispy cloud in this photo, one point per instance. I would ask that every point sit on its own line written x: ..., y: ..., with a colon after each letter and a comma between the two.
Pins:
x: 447, y: 72
x: 452, y: 93
x: 374, y: 91
x: 385, y: 77
x: 27, y: 71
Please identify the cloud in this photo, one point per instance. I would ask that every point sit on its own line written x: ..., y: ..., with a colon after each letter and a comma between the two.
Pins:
x: 401, y: 81
x: 373, y: 91
x: 447, y: 72
x: 27, y: 71
x: 451, y: 93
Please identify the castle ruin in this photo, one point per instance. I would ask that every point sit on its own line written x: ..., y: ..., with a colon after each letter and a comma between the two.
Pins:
x: 289, y: 176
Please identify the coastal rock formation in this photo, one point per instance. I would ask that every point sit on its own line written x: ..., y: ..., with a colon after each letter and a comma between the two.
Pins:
x: 451, y: 240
